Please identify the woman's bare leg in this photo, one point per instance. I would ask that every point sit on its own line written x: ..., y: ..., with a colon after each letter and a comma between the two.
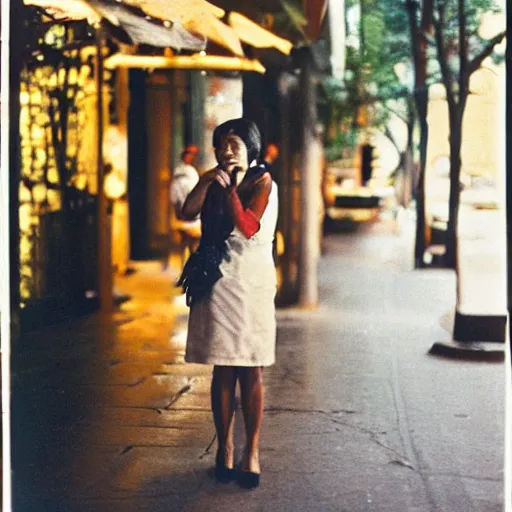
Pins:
x: 251, y: 386
x: 223, y: 407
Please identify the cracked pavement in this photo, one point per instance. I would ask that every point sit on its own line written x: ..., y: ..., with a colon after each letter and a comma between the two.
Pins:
x: 359, y: 417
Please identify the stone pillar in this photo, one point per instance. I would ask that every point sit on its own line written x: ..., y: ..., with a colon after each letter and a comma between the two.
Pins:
x: 310, y: 169
x: 161, y: 140
x: 197, y: 99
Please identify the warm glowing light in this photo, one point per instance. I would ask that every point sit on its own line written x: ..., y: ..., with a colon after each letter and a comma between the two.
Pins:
x: 25, y: 212
x: 80, y: 181
x: 37, y: 132
x: 40, y: 157
x: 54, y: 200
x: 114, y: 144
x: 114, y: 186
x: 39, y: 193
x: 73, y: 76
x: 24, y: 194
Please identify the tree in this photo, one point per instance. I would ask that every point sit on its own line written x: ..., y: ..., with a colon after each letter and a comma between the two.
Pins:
x: 404, y: 170
x: 396, y: 52
x: 420, y: 26
x: 460, y: 52
x: 371, y: 91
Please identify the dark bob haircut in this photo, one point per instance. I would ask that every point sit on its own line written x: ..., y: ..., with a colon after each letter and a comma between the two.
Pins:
x: 244, y: 128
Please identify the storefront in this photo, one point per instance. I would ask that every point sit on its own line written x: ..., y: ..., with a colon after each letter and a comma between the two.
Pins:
x: 59, y: 178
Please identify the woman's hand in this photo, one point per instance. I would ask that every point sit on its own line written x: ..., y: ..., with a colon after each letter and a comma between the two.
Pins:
x: 218, y: 175
x: 194, y: 202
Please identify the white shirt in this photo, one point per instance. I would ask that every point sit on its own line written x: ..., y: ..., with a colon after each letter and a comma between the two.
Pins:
x: 185, y: 179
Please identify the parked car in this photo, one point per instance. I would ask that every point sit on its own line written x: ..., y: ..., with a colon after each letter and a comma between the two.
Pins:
x: 345, y: 199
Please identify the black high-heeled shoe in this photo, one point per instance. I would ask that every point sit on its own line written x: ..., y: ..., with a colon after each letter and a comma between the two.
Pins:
x: 223, y: 474
x: 248, y: 479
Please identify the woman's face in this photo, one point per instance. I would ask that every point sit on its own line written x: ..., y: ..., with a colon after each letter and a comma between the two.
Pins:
x: 232, y: 153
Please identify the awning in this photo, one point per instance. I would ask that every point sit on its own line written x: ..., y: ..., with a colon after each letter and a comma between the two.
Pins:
x: 180, y: 10
x: 137, y: 27
x: 173, y: 25
x: 203, y: 62
x: 255, y: 35
x: 198, y: 16
x: 67, y: 9
x: 203, y: 18
x: 144, y: 31
x: 217, y: 31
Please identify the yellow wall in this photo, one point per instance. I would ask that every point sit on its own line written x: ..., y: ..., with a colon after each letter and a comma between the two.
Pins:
x: 483, y: 143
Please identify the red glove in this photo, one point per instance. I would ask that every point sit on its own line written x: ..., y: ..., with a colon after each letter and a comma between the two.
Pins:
x: 248, y: 220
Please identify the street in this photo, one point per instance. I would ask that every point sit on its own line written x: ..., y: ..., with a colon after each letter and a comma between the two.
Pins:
x: 359, y: 417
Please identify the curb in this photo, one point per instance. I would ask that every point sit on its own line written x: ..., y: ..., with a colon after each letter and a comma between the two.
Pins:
x: 470, y: 351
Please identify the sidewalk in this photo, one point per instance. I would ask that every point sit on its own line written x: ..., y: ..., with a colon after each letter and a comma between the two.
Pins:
x: 359, y: 417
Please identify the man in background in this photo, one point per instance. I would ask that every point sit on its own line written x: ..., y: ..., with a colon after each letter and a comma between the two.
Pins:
x: 271, y: 155
x: 185, y: 178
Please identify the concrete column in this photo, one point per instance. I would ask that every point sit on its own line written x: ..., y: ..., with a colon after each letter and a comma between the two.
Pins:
x: 310, y: 170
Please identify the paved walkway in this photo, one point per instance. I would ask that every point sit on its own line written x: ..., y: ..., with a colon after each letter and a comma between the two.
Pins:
x: 359, y: 417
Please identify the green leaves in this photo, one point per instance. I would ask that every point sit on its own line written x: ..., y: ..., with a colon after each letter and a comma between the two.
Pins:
x: 381, y: 30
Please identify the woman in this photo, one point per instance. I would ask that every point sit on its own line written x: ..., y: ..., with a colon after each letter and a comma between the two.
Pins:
x: 230, y: 283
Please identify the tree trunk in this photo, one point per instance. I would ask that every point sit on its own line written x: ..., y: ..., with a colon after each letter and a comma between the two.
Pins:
x: 407, y: 158
x: 421, y: 100
x: 419, y: 52
x: 454, y: 201
x: 409, y: 151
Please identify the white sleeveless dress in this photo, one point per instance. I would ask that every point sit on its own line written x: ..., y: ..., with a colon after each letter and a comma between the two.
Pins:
x: 236, y: 325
